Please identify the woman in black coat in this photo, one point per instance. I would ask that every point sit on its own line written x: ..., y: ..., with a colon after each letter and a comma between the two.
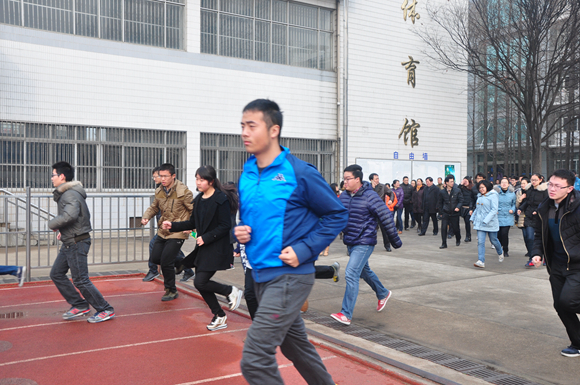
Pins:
x: 417, y: 201
x: 529, y: 206
x: 211, y: 217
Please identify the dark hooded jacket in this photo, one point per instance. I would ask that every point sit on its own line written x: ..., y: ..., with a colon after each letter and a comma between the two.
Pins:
x: 534, y: 196
x: 364, y: 208
x: 568, y: 216
x: 73, y: 218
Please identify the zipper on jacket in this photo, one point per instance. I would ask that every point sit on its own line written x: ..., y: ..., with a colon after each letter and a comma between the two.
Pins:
x: 561, y: 240
x: 543, y: 245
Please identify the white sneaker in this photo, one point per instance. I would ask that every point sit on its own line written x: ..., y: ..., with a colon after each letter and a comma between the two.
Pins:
x: 235, y: 298
x: 501, y: 257
x: 479, y: 264
x: 218, y: 323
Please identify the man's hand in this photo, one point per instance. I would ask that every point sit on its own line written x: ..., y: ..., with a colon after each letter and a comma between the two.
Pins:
x: 537, y: 261
x: 144, y: 221
x: 456, y: 209
x: 243, y: 233
x: 289, y: 257
x: 58, y: 236
x: 519, y: 212
x: 470, y: 212
x: 166, y: 225
x: 199, y: 241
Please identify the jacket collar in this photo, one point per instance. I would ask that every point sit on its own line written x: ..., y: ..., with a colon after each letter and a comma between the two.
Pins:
x: 253, y: 162
x: 178, y: 186
x: 365, y: 185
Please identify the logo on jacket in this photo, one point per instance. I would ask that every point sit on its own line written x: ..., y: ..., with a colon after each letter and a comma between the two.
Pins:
x: 279, y: 177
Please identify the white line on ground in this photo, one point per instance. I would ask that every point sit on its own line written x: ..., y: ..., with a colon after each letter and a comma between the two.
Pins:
x: 119, y: 347
x: 63, y: 322
x: 62, y: 300
x: 206, y: 380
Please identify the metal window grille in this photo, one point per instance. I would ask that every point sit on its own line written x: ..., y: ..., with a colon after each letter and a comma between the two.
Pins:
x: 105, y: 158
x: 157, y: 23
x: 275, y: 31
x: 227, y: 154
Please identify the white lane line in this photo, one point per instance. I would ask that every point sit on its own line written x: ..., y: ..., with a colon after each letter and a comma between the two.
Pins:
x: 204, y: 381
x: 63, y: 322
x: 51, y: 285
x: 119, y: 347
x: 62, y: 300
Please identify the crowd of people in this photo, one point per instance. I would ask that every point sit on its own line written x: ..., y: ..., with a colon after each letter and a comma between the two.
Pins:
x: 289, y: 215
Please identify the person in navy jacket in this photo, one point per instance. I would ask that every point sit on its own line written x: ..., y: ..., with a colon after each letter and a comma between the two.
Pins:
x: 288, y: 215
x: 365, y: 208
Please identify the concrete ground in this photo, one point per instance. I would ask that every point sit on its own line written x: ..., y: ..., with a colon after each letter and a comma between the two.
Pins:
x: 500, y: 316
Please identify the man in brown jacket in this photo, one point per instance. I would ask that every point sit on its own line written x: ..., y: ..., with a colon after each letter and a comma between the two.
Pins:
x: 175, y: 202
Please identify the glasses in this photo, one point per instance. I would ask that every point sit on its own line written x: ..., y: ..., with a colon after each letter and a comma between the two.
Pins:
x: 53, y: 175
x: 155, y: 177
x: 164, y: 176
x: 348, y: 179
x: 556, y: 187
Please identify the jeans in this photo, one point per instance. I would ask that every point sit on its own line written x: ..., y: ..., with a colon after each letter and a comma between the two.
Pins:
x: 164, y: 253
x: 357, y: 268
x: 12, y: 270
x: 481, y: 243
x: 278, y: 323
x: 74, y: 257
x: 208, y: 289
x: 153, y: 267
x: 529, y: 234
x: 566, y: 294
x: 399, y: 223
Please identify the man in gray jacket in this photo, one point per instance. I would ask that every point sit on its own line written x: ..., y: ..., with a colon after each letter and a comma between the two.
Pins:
x: 74, y: 226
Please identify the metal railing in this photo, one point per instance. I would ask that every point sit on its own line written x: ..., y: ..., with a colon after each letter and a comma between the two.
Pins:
x: 117, y: 235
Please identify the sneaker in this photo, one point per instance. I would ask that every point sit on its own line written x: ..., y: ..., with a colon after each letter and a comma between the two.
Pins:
x: 479, y: 264
x: 571, y: 351
x: 383, y: 302
x: 150, y: 276
x: 21, y: 274
x: 187, y: 275
x: 101, y: 316
x: 218, y: 323
x: 341, y: 318
x: 74, y: 312
x: 529, y: 264
x: 501, y: 257
x: 169, y: 295
x: 336, y: 268
x: 235, y: 298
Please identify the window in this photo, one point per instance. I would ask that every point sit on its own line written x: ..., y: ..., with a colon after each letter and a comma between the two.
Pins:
x: 227, y: 154
x: 105, y: 158
x: 273, y: 31
x: 157, y: 23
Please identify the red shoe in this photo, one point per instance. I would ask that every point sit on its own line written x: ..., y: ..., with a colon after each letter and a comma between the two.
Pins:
x: 383, y: 302
x: 341, y: 318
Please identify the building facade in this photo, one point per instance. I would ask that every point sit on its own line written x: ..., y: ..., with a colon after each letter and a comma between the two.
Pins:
x: 118, y: 87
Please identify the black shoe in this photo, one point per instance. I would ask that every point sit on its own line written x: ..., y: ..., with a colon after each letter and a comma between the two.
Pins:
x: 505, y: 254
x: 457, y: 243
x: 421, y: 234
x: 412, y: 227
x: 388, y: 248
x: 187, y: 275
x: 444, y: 246
x: 449, y: 236
x: 527, y: 255
x: 179, y: 269
x: 150, y: 276
x: 435, y: 234
x: 467, y: 239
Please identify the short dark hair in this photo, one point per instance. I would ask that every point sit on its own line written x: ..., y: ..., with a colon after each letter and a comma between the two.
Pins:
x: 395, y: 181
x: 449, y: 177
x: 64, y: 168
x: 269, y: 109
x: 481, y: 175
x: 429, y: 179
x: 167, y: 167
x: 487, y: 184
x: 405, y: 177
x: 565, y: 174
x: 356, y: 171
x: 156, y: 170
x: 372, y: 176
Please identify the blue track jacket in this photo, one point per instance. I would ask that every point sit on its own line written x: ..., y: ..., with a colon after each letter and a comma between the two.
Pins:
x: 288, y: 204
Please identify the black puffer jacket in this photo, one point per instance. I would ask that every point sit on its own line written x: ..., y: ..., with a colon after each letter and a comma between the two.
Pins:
x: 417, y: 200
x: 466, y: 195
x: 73, y: 218
x: 569, y: 214
x: 430, y: 199
x: 408, y: 191
x: 450, y: 200
x: 534, y: 196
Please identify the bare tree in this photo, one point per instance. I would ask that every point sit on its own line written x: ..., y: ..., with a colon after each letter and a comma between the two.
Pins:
x: 528, y: 49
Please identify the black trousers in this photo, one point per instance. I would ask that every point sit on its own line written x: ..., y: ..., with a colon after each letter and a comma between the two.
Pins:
x: 323, y: 272
x: 419, y: 219
x: 503, y: 237
x: 433, y: 217
x: 409, y: 212
x: 566, y: 294
x: 386, y: 242
x: 453, y: 222
x: 164, y: 253
x: 250, y: 293
x: 208, y: 290
x: 467, y: 219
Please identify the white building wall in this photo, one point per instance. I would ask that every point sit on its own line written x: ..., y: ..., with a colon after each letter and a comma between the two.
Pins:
x: 379, y: 98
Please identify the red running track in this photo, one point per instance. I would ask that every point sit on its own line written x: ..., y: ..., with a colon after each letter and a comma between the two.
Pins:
x: 148, y: 342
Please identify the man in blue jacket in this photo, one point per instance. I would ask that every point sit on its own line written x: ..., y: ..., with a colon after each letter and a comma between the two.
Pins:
x: 288, y: 215
x: 360, y: 236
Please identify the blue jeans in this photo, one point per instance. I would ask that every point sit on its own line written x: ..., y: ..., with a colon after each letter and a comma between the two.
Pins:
x: 399, y: 223
x: 481, y: 243
x: 529, y: 234
x: 357, y: 268
x: 153, y: 267
x: 5, y: 270
x: 74, y: 257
